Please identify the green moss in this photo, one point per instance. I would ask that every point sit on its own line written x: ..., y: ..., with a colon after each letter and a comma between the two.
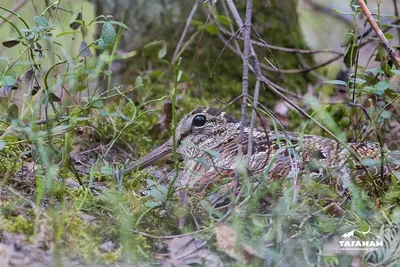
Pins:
x: 17, y: 224
x: 111, y: 256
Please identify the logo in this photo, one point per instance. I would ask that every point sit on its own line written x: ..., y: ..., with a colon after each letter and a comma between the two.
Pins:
x: 351, y: 240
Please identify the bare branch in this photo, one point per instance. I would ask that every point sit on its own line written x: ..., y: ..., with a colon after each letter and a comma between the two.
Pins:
x: 379, y: 33
x: 270, y: 85
x: 245, y: 79
x: 187, y: 25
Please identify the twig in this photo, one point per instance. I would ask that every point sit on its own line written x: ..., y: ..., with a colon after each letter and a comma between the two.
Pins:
x: 396, y: 13
x: 245, y: 79
x: 270, y: 85
x: 385, y: 43
x: 304, y: 70
x: 204, y: 29
x: 187, y: 25
x: 388, y: 27
x: 263, y: 43
x: 252, y: 122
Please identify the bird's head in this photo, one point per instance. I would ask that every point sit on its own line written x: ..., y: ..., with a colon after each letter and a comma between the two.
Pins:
x: 204, y: 128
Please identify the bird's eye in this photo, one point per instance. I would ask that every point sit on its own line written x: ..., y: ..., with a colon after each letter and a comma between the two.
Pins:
x: 199, y: 121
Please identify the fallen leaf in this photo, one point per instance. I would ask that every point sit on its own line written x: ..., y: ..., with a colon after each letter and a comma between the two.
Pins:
x: 227, y: 241
x: 189, y: 251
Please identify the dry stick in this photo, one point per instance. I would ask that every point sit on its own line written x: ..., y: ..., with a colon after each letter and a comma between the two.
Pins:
x: 263, y: 43
x: 245, y: 79
x: 396, y: 13
x: 394, y: 22
x: 275, y: 89
x: 283, y: 90
x: 230, y: 24
x: 253, y: 122
x: 202, y: 32
x: 308, y: 69
x: 187, y: 25
x: 379, y: 33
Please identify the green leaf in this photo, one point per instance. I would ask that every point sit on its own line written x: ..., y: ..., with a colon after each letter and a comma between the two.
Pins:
x: 349, y: 38
x: 385, y: 114
x: 394, y: 71
x: 213, y: 153
x: 101, y: 44
x: 350, y: 55
x: 212, y: 29
x: 106, y: 170
x: 155, y: 49
x: 372, y: 90
x: 370, y: 162
x: 151, y: 204
x: 382, y: 86
x: 381, y: 55
x: 376, y: 71
x: 97, y: 104
x: 359, y: 81
x: 397, y: 175
x: 7, y: 80
x: 138, y: 82
x: 354, y: 5
x: 60, y: 129
x: 388, y: 36
x: 336, y: 82
x: 116, y: 23
x: 224, y: 20
x: 163, y: 51
x: 108, y: 35
x: 151, y: 182
x: 204, y: 163
x: 68, y: 32
x: 158, y: 193
x: 41, y: 21
x: 341, y: 12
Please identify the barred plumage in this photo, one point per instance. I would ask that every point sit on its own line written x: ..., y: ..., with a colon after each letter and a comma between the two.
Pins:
x: 207, y: 140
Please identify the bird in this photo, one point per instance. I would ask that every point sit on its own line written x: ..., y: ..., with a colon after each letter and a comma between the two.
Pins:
x: 207, y: 140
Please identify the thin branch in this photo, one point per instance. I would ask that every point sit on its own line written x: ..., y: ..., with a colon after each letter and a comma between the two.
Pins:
x: 252, y: 122
x: 187, y: 25
x: 396, y: 13
x: 245, y: 79
x: 385, y: 43
x: 304, y: 70
x: 270, y: 85
x: 204, y: 29
x: 386, y: 29
x: 263, y: 43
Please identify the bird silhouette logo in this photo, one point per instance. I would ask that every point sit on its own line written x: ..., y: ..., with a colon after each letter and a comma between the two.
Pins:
x: 352, y: 233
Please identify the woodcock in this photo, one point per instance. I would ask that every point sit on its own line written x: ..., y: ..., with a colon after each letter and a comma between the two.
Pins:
x: 207, y: 141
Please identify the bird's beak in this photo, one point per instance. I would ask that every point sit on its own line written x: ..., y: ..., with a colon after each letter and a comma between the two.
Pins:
x: 160, y: 153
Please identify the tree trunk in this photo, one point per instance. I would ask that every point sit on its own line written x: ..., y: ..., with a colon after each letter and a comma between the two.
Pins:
x: 277, y: 23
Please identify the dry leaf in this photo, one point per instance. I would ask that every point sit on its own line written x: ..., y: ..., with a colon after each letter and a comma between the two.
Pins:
x: 189, y: 251
x: 227, y: 241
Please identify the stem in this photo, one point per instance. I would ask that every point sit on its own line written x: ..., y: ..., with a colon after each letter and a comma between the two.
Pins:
x: 379, y: 33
